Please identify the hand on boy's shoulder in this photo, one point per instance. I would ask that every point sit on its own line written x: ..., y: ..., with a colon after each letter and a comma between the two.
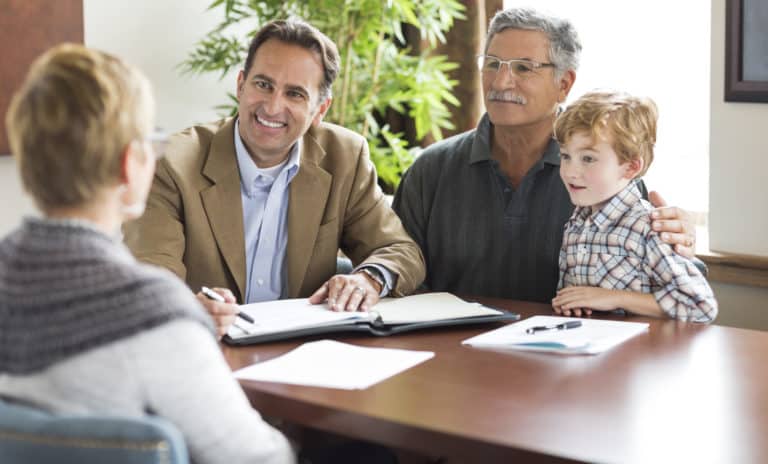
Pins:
x: 674, y: 225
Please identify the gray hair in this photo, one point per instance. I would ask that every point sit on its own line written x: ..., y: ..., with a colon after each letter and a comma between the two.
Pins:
x: 564, y: 43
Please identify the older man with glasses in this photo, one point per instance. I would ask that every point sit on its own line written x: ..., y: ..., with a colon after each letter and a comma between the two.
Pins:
x: 488, y: 207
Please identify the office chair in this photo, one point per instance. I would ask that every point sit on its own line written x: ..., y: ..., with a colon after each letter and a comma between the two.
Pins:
x: 343, y: 265
x: 29, y: 435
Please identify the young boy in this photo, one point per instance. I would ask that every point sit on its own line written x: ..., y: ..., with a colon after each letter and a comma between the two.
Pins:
x: 610, y: 258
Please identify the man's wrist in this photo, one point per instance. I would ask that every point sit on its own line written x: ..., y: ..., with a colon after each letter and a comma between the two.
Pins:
x: 374, y: 277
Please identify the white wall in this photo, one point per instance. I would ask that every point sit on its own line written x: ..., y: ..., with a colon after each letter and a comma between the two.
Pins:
x: 738, y: 215
x: 155, y: 36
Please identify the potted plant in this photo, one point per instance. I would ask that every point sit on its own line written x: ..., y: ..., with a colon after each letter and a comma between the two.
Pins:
x: 380, y: 73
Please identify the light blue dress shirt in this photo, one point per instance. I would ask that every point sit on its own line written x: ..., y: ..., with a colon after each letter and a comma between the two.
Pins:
x: 265, y: 194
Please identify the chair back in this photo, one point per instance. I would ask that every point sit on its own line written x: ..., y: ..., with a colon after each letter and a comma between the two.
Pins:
x: 29, y: 435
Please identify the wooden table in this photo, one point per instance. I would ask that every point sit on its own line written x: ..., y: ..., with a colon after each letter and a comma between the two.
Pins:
x: 680, y: 393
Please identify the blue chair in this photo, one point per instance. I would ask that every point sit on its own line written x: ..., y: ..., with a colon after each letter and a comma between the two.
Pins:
x: 343, y: 265
x: 29, y: 435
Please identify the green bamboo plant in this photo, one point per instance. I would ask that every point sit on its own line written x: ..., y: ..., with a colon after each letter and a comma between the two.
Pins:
x: 379, y: 71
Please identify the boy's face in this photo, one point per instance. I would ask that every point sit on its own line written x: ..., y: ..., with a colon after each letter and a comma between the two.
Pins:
x: 591, y: 171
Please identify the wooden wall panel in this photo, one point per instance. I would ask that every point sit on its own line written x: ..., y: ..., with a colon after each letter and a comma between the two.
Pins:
x: 28, y: 28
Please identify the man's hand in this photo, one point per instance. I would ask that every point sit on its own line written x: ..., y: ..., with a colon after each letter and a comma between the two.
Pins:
x: 675, y: 226
x: 223, y: 314
x: 348, y: 292
x: 583, y: 300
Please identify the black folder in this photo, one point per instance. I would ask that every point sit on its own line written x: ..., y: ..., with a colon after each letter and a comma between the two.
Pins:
x: 373, y: 323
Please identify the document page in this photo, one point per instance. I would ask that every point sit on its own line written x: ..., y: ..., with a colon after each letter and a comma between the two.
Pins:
x: 591, y: 337
x: 332, y: 364
x: 428, y: 307
x: 285, y: 315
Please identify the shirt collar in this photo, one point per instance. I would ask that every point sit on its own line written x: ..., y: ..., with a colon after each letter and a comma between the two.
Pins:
x: 481, y: 146
x: 249, y: 172
x: 614, y: 209
x: 552, y: 153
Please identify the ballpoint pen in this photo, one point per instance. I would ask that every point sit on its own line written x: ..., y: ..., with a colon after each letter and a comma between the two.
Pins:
x: 563, y: 326
x: 211, y: 295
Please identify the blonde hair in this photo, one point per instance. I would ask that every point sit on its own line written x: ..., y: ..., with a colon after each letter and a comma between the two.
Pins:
x: 71, y: 120
x: 628, y: 123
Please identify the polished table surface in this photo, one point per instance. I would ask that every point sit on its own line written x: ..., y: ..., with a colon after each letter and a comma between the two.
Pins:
x: 680, y: 393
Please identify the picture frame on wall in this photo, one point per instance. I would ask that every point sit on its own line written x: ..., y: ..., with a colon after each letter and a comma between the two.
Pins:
x: 746, y: 51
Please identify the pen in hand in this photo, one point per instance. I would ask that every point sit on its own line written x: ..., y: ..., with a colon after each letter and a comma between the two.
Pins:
x: 211, y: 295
x: 563, y: 326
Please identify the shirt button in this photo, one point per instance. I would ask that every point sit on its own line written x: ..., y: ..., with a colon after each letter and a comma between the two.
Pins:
x: 260, y: 281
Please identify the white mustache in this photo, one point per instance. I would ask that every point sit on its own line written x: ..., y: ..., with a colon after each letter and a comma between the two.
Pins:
x: 506, y: 96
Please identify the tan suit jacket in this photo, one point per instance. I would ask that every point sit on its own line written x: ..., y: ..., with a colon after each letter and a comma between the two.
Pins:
x: 193, y: 224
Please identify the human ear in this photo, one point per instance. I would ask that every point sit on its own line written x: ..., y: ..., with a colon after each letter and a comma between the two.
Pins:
x: 240, y: 83
x: 565, y: 84
x: 633, y: 167
x: 321, y: 110
x: 135, y: 159
x: 127, y: 162
x: 137, y: 166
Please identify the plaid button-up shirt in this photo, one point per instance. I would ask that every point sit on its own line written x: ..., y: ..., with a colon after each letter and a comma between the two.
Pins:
x: 616, y: 248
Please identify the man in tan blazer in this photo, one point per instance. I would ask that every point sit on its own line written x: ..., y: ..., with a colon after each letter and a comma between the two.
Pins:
x: 200, y: 223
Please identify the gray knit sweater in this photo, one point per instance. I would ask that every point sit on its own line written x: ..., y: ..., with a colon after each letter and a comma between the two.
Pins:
x: 85, y: 329
x: 66, y: 287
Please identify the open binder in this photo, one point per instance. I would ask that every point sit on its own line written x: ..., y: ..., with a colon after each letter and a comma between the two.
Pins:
x: 284, y: 319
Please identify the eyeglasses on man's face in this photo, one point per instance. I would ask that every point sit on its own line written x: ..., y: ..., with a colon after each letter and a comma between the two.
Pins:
x: 523, y: 69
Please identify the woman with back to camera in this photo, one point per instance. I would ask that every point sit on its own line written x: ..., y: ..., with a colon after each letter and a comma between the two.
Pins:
x: 84, y: 327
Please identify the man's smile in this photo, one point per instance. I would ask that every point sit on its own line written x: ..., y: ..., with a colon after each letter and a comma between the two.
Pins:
x: 269, y: 123
x: 506, y: 96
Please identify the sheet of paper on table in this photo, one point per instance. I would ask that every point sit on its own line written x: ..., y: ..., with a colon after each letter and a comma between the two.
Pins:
x: 592, y: 337
x: 332, y: 364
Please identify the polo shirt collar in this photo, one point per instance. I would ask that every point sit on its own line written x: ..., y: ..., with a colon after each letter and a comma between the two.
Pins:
x: 481, y: 146
x: 552, y: 153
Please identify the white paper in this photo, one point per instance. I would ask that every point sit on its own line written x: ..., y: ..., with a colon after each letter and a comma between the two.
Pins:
x: 594, y: 335
x: 286, y: 315
x: 428, y: 307
x: 332, y: 364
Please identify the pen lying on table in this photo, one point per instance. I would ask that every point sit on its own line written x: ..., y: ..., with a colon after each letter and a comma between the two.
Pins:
x: 211, y: 295
x: 563, y: 326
